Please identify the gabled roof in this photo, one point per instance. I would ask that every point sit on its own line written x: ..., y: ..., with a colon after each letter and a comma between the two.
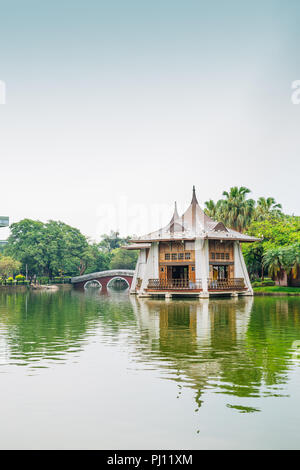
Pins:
x: 194, y: 223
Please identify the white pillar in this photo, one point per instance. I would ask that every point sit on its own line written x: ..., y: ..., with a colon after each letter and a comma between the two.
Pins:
x: 203, y: 322
x: 202, y: 262
x: 135, y: 276
x: 240, y: 269
x: 151, y: 270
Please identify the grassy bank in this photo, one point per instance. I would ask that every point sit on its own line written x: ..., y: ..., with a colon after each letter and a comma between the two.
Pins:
x: 269, y: 290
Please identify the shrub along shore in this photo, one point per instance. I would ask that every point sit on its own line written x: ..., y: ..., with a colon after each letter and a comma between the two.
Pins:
x: 276, y: 290
x: 268, y: 287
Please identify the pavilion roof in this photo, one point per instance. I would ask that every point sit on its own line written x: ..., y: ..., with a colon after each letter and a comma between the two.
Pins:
x: 194, y: 223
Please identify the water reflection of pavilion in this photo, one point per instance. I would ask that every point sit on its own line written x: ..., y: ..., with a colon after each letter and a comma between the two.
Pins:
x: 193, y: 338
x: 199, y: 320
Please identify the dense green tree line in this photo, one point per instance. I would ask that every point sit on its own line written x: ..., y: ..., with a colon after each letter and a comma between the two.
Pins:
x: 279, y: 249
x: 238, y: 212
x: 280, y: 233
x: 56, y: 249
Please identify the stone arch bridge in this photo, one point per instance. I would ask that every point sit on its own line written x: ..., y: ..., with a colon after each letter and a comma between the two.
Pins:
x: 103, y: 278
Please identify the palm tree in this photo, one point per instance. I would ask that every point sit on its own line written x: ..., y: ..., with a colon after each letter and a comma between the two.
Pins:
x: 296, y: 261
x: 235, y: 210
x: 212, y: 209
x: 282, y: 259
x: 267, y: 207
x: 273, y: 260
x: 292, y: 259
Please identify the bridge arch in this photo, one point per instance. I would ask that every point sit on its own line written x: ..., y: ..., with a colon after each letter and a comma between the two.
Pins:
x: 92, y: 283
x: 118, y: 278
x: 103, y: 278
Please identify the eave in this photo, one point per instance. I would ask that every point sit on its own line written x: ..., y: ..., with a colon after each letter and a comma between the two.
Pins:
x: 223, y: 237
x: 137, y: 246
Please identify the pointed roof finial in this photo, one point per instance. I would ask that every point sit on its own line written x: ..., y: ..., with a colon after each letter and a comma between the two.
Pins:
x: 175, y: 216
x: 194, y: 198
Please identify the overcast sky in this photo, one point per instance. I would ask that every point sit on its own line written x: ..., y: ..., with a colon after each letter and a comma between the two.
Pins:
x: 114, y: 109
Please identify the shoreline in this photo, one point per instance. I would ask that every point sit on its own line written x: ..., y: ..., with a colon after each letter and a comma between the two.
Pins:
x: 38, y: 288
x: 55, y: 287
x: 276, y: 294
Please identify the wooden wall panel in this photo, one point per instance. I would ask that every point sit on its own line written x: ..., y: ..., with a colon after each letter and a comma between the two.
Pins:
x: 177, y: 249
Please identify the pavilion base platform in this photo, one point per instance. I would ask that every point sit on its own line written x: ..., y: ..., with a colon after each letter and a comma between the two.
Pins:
x: 193, y: 293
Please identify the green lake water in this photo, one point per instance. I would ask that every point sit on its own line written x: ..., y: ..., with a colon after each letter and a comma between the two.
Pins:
x: 88, y: 371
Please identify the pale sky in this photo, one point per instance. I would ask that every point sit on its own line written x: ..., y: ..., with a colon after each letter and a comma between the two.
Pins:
x: 115, y: 109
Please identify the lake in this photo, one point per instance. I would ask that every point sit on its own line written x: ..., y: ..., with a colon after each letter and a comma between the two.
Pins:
x: 90, y: 371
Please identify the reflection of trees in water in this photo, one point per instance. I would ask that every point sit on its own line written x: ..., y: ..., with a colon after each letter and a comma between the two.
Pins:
x: 242, y: 345
x: 39, y: 325
x: 273, y: 327
x: 238, y: 344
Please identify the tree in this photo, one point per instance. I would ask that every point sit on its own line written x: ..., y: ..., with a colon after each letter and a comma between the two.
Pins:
x: 253, y: 255
x: 112, y: 241
x: 47, y: 249
x: 267, y: 207
x: 295, y: 260
x: 8, y: 266
x: 273, y: 260
x: 212, y: 209
x: 123, y: 259
x: 26, y: 244
x: 283, y: 259
x: 238, y: 212
x: 276, y: 234
x: 65, y: 248
x: 235, y: 210
x: 96, y: 259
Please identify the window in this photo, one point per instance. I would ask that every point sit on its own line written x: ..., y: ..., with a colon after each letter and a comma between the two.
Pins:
x: 180, y: 256
x: 217, y: 255
x: 227, y: 255
x: 162, y: 270
x: 167, y: 256
x: 193, y: 268
x: 174, y: 256
x: 222, y: 255
x: 187, y: 255
x: 212, y: 255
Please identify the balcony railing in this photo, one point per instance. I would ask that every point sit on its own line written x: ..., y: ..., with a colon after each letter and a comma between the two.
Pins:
x: 174, y: 284
x: 235, y: 284
x: 226, y: 284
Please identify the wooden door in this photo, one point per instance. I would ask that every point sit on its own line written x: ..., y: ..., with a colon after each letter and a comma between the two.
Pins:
x: 192, y: 275
x: 163, y: 273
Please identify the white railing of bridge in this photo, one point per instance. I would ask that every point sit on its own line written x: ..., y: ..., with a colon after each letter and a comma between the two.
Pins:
x: 111, y: 273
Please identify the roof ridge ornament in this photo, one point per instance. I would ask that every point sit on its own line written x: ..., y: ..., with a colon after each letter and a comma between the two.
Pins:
x: 176, y: 215
x: 194, y: 198
x: 194, y: 204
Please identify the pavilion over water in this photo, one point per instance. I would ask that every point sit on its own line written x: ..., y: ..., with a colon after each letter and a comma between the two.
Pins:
x: 192, y: 255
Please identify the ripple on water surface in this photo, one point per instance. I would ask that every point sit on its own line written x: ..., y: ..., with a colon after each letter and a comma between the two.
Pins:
x: 243, y: 352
